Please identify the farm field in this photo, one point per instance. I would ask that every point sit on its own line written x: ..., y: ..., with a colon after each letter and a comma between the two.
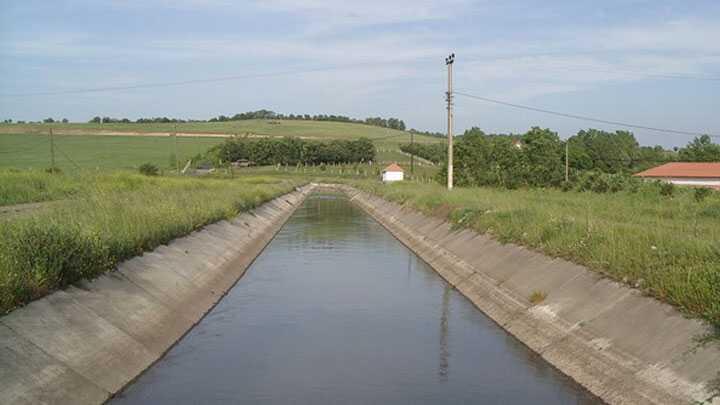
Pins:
x: 272, y: 128
x: 32, y: 151
x: 81, y: 146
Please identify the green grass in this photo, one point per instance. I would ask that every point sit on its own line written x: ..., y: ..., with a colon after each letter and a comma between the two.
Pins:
x: 307, y: 129
x: 79, y: 145
x: 26, y: 151
x: 668, y: 247
x: 110, y: 217
x: 18, y: 187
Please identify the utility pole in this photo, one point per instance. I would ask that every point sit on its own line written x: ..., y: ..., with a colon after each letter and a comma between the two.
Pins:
x: 177, y: 164
x: 52, y: 151
x: 567, y: 161
x: 412, y: 153
x: 449, y: 62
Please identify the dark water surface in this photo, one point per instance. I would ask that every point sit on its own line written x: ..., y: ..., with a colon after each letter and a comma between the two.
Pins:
x: 335, y: 310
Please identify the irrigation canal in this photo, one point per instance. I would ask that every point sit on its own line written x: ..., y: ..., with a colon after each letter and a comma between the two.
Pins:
x: 336, y: 310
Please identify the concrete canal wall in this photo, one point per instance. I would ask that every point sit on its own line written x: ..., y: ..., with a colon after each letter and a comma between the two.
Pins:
x: 85, y: 343
x: 624, y: 347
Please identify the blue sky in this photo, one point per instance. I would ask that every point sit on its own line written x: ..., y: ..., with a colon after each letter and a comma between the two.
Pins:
x: 602, y: 59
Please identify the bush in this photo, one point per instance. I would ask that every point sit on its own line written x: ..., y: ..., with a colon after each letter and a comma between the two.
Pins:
x: 149, y: 169
x: 701, y: 194
x: 667, y: 189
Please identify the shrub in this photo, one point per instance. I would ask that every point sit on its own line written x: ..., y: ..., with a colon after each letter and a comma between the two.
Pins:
x: 667, y: 189
x: 149, y: 169
x: 701, y: 194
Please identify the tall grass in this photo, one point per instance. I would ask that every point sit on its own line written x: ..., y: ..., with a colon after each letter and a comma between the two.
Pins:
x: 667, y: 246
x: 113, y: 217
x: 17, y: 187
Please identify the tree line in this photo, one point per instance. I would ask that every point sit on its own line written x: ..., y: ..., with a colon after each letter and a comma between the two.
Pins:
x: 291, y: 151
x: 597, y: 159
x: 434, y: 152
x: 392, y: 123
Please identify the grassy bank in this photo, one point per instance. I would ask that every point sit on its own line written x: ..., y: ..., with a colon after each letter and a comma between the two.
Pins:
x: 667, y: 246
x: 112, y: 217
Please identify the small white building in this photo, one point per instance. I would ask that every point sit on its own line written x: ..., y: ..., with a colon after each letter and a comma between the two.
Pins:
x: 686, y: 173
x: 392, y: 173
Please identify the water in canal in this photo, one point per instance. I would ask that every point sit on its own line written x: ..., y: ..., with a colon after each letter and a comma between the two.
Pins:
x: 336, y: 310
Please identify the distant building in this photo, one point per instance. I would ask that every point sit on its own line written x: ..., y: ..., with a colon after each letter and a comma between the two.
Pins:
x: 242, y: 163
x: 392, y: 173
x: 686, y: 173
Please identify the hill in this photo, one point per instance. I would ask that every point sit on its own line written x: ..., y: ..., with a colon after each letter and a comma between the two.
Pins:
x: 258, y: 127
x: 119, y: 145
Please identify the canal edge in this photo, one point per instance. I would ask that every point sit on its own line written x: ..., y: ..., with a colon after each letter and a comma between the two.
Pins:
x: 622, y: 346
x: 84, y: 344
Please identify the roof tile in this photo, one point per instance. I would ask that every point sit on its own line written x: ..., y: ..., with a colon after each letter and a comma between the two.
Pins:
x: 684, y: 169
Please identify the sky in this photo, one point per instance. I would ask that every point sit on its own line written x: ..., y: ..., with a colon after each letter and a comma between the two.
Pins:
x: 654, y: 63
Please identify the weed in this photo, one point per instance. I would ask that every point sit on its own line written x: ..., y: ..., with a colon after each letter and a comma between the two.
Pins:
x: 148, y: 169
x: 537, y: 297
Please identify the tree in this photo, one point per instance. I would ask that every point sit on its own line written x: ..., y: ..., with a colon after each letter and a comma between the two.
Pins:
x: 542, y: 163
x: 48, y: 120
x: 608, y: 152
x: 65, y: 121
x: 701, y: 149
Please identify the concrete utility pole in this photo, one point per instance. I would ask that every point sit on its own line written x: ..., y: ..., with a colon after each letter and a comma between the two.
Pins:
x: 449, y: 62
x: 52, y: 151
x: 567, y: 160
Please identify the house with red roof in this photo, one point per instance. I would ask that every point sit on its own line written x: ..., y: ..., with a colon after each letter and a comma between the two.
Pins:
x: 392, y: 173
x: 699, y: 174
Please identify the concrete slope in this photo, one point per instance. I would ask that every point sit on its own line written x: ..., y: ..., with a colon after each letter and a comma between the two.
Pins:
x: 624, y: 347
x: 85, y: 343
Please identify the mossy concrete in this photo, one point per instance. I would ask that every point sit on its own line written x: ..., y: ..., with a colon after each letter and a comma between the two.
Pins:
x: 85, y: 343
x: 624, y: 347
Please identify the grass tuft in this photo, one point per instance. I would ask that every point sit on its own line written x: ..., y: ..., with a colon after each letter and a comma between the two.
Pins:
x: 537, y: 297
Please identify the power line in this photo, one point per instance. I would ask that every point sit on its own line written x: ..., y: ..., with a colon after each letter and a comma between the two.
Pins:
x: 590, y: 68
x: 186, y: 82
x: 586, y: 118
x: 330, y: 68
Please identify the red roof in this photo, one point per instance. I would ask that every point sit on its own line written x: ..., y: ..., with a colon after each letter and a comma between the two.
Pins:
x: 393, y: 168
x: 684, y: 169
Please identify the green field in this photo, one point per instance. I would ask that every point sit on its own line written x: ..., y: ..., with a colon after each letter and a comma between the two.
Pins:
x: 273, y: 128
x: 25, y: 151
x: 79, y: 145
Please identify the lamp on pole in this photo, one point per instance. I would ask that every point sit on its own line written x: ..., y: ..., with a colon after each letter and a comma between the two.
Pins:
x: 449, y: 62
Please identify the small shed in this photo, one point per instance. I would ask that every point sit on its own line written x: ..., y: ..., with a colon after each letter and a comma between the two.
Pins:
x: 393, y: 173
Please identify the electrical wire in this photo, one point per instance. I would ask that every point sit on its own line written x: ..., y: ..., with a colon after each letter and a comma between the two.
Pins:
x: 67, y: 157
x: 188, y: 82
x: 585, y: 118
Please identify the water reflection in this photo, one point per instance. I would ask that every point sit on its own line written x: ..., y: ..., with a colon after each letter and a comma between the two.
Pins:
x: 444, y: 347
x: 333, y: 311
